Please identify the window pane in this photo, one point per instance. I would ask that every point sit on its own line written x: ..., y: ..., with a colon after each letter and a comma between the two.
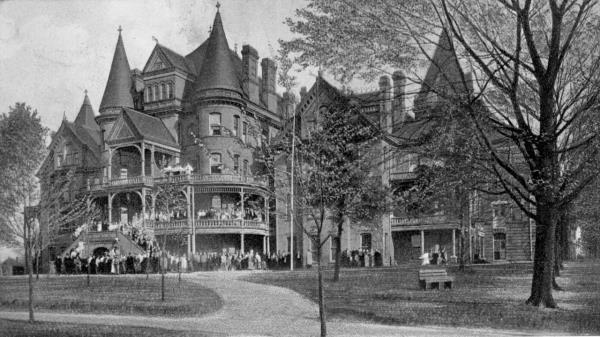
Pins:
x: 215, y: 163
x: 236, y: 163
x: 214, y: 120
x: 236, y: 125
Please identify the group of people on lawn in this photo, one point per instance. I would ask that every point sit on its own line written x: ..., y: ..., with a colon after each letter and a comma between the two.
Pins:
x: 434, y: 256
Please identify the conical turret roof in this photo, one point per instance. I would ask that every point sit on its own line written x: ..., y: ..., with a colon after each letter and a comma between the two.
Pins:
x: 86, y: 117
x: 218, y: 70
x: 118, y: 87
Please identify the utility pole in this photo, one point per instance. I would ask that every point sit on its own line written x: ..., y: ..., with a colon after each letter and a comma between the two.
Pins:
x: 292, y: 194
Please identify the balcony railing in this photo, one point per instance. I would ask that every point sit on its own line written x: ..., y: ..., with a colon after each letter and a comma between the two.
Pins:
x: 212, y: 178
x: 177, y: 179
x: 403, y: 176
x: 423, y: 221
x: 207, y: 224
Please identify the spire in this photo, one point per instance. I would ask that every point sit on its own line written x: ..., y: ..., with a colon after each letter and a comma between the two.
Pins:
x: 118, y: 87
x: 218, y: 70
x: 85, y: 117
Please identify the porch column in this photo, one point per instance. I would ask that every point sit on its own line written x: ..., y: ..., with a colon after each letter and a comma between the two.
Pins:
x: 110, y: 196
x: 267, y: 211
x: 193, y: 220
x: 153, y: 210
x: 242, y: 242
x: 143, y: 151
x: 454, y: 243
x: 109, y: 172
x: 152, y: 160
x: 268, y: 246
x: 143, y: 207
x: 422, y: 242
x: 242, y: 204
x: 264, y: 244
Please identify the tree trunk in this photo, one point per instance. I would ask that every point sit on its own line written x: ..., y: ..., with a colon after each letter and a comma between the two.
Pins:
x: 28, y: 266
x: 543, y: 263
x: 37, y: 266
x: 321, y: 297
x: 336, y: 270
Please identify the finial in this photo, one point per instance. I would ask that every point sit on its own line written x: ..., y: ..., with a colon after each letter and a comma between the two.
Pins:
x: 85, y: 92
x: 154, y: 39
x: 64, y: 115
x: 218, y: 6
x: 120, y: 29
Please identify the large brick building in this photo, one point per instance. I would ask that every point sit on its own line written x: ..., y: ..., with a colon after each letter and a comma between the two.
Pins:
x: 196, y: 121
x: 495, y: 229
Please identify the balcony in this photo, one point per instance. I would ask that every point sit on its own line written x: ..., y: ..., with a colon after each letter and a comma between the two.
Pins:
x: 424, y: 222
x: 213, y: 178
x: 403, y: 176
x: 210, y: 226
x: 139, y: 181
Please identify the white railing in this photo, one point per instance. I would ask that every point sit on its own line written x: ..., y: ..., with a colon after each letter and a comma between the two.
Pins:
x: 208, y: 223
x: 177, y: 179
x: 132, y: 181
x: 421, y: 220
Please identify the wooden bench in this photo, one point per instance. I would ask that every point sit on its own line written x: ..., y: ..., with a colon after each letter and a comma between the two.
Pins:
x: 434, y: 277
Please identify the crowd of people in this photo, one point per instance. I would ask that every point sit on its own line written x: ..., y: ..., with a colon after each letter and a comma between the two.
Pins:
x: 434, y: 256
x: 361, y: 258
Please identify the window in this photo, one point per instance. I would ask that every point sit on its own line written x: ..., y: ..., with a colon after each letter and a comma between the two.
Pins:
x: 334, y: 243
x: 236, y: 125
x: 164, y: 91
x: 499, y: 246
x: 170, y: 87
x: 365, y: 241
x: 236, y: 163
x: 245, y: 168
x: 215, y: 163
x: 148, y: 94
x: 156, y: 93
x: 214, y: 120
x: 244, y: 131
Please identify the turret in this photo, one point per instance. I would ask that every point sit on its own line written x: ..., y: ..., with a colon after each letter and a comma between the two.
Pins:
x: 117, y: 94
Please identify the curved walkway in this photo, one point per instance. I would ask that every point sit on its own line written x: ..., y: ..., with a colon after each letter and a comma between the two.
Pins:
x: 251, y: 309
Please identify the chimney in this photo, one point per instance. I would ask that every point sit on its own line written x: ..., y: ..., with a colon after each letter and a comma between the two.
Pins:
x: 250, y: 69
x: 289, y: 101
x: 399, y: 108
x: 269, y: 73
x: 385, y: 89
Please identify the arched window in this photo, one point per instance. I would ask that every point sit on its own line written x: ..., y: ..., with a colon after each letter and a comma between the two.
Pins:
x: 150, y: 94
x: 245, y: 131
x: 215, y: 163
x: 245, y: 168
x: 156, y: 93
x: 164, y: 91
x: 214, y: 121
x: 236, y: 163
x: 236, y: 125
x: 170, y: 89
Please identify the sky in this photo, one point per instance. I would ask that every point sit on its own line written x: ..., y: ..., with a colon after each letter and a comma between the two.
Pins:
x: 51, y: 51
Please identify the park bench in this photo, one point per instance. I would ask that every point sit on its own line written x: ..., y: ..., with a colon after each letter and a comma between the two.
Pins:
x: 435, y: 277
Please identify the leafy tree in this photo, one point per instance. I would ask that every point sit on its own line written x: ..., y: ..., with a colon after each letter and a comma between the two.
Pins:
x: 534, y: 65
x: 22, y: 148
x: 169, y: 198
x: 356, y: 189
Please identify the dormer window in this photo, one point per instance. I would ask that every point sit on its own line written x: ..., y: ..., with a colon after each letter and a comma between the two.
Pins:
x: 156, y: 93
x: 244, y: 131
x: 164, y: 91
x: 214, y: 120
x: 236, y: 163
x: 149, y: 94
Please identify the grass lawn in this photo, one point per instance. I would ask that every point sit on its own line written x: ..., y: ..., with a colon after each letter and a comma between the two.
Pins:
x: 42, y: 329
x: 125, y: 294
x: 484, y: 296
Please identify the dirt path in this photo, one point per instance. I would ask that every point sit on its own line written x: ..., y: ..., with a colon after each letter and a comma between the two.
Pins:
x: 257, y: 310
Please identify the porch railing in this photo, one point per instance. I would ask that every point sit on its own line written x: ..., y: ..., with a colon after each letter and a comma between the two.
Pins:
x: 208, y: 223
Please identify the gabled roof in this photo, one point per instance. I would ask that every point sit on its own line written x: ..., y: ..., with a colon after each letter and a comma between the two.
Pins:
x: 443, y: 72
x: 174, y: 59
x: 90, y: 138
x: 85, y: 117
x: 118, y: 87
x: 218, y: 70
x: 149, y: 127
